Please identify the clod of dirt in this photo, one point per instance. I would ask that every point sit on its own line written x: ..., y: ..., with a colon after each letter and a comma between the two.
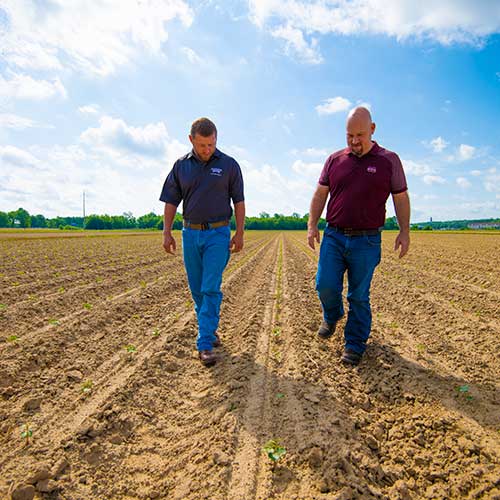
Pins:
x: 372, y: 443
x: 41, y: 472
x: 60, y: 467
x: 47, y: 486
x: 221, y: 458
x: 32, y: 404
x: 23, y: 492
x: 75, y: 375
x: 315, y: 458
x: 344, y: 494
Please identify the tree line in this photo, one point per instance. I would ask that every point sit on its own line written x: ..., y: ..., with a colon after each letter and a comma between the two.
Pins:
x: 21, y: 218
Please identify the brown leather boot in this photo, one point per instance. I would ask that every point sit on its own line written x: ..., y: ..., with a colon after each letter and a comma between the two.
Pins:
x: 208, y: 358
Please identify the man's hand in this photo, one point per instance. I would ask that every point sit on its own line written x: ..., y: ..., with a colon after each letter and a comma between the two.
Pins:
x: 403, y: 241
x: 169, y: 243
x: 236, y: 243
x: 312, y: 235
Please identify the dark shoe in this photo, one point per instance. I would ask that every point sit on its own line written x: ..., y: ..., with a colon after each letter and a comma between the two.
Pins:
x: 326, y: 330
x: 351, y: 357
x: 208, y: 358
x: 217, y: 342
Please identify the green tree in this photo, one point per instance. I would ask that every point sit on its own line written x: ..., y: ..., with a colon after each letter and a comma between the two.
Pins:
x: 4, y: 219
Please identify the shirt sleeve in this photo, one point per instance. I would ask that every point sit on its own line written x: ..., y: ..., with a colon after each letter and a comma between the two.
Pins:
x: 398, y: 179
x: 171, y: 192
x: 236, y: 184
x: 324, y: 178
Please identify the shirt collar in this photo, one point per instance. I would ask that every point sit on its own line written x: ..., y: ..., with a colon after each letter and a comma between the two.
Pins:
x: 374, y: 150
x: 192, y: 154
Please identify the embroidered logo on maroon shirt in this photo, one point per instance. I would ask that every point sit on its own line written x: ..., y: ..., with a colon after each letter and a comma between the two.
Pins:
x: 372, y: 170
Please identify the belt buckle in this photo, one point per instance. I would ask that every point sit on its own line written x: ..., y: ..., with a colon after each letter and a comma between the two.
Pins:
x: 347, y: 231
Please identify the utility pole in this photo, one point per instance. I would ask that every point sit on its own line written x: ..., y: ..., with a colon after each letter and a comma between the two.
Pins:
x: 83, y: 205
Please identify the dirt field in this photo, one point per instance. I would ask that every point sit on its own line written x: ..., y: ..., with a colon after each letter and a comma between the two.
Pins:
x: 98, y: 363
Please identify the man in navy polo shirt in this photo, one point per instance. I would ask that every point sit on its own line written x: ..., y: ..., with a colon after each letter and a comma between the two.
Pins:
x: 206, y: 180
x: 359, y: 180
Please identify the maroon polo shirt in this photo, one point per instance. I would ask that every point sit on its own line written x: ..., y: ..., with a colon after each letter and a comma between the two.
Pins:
x: 359, y: 186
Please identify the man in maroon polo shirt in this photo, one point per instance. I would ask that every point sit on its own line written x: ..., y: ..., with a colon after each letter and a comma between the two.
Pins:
x: 359, y: 180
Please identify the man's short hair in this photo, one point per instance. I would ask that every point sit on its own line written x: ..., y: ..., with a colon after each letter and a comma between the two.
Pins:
x: 203, y: 127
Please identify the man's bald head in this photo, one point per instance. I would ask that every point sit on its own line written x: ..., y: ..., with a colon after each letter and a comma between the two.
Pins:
x: 359, y: 130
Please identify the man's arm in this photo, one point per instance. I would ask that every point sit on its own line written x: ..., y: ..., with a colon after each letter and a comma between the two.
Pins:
x: 236, y: 243
x: 317, y: 205
x: 402, y: 208
x: 168, y: 219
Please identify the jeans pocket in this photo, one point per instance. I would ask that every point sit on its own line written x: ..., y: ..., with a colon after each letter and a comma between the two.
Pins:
x: 374, y: 240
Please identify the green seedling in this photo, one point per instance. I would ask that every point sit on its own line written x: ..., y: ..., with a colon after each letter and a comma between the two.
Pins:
x: 12, y: 338
x: 130, y: 348
x: 143, y: 284
x: 87, y: 386
x: 464, y: 389
x: 15, y: 283
x: 420, y: 347
x: 87, y: 306
x: 233, y: 407
x: 156, y: 332
x: 53, y: 321
x: 98, y: 279
x: 393, y: 325
x: 280, y: 395
x: 274, y: 451
x: 26, y: 433
x: 61, y: 289
x: 177, y: 316
x: 276, y: 331
x: 277, y: 356
x: 2, y: 307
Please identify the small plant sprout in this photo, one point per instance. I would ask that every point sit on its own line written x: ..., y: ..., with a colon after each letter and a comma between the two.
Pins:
x: 276, y: 331
x: 87, y: 306
x: 274, y: 451
x: 53, y: 321
x: 12, y: 338
x: 143, y: 284
x: 130, y: 348
x: 87, y: 386
x: 156, y: 332
x: 421, y: 348
x: 464, y: 389
x: 280, y: 395
x: 26, y: 433
x: 98, y: 279
x: 2, y: 307
x: 61, y: 289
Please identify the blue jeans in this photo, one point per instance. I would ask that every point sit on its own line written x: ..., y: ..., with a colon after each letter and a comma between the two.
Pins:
x: 206, y: 254
x: 359, y: 256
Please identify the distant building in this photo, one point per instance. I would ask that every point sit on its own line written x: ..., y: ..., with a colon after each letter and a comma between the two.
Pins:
x: 484, y: 225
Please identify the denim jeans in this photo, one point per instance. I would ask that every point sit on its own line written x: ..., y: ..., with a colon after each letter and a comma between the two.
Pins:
x: 359, y: 256
x: 206, y: 254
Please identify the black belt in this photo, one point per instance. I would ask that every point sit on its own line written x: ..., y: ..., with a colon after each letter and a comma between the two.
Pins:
x: 348, y: 231
x: 205, y: 225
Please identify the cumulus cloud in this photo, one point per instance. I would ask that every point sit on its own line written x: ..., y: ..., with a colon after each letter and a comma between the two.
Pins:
x: 492, y: 181
x: 191, y: 55
x: 446, y: 23
x: 438, y: 144
x: 89, y: 109
x: 475, y: 173
x: 113, y: 133
x: 463, y: 183
x: 89, y: 35
x: 297, y: 46
x: 333, y: 105
x: 15, y: 122
x: 434, y: 179
x: 307, y: 169
x: 466, y: 152
x: 20, y: 86
x: 415, y: 168
x: 15, y: 157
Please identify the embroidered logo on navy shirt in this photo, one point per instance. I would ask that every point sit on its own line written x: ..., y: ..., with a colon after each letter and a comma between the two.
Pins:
x: 216, y: 171
x: 372, y: 169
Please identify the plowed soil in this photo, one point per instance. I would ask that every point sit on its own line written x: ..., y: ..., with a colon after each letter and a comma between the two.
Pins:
x: 99, y: 371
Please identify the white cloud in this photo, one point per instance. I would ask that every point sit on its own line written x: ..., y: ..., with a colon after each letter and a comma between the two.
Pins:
x: 25, y: 87
x: 447, y: 22
x: 191, y: 55
x: 90, y: 109
x: 297, y: 46
x: 438, y: 144
x: 307, y: 169
x: 92, y: 36
x: 475, y: 173
x: 311, y: 152
x: 333, y: 105
x: 414, y: 168
x: 492, y: 181
x: 433, y: 179
x: 115, y: 134
x: 16, y: 122
x: 15, y: 157
x: 463, y: 183
x: 466, y: 152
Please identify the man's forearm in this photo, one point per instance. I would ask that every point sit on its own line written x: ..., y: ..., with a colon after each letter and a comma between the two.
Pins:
x: 168, y: 217
x: 239, y: 215
x: 402, y: 209
x: 317, y: 205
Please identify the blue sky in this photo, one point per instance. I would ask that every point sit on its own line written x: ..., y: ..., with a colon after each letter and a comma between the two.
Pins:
x: 99, y: 96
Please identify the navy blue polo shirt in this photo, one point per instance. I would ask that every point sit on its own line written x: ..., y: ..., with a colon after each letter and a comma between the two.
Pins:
x: 205, y: 188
